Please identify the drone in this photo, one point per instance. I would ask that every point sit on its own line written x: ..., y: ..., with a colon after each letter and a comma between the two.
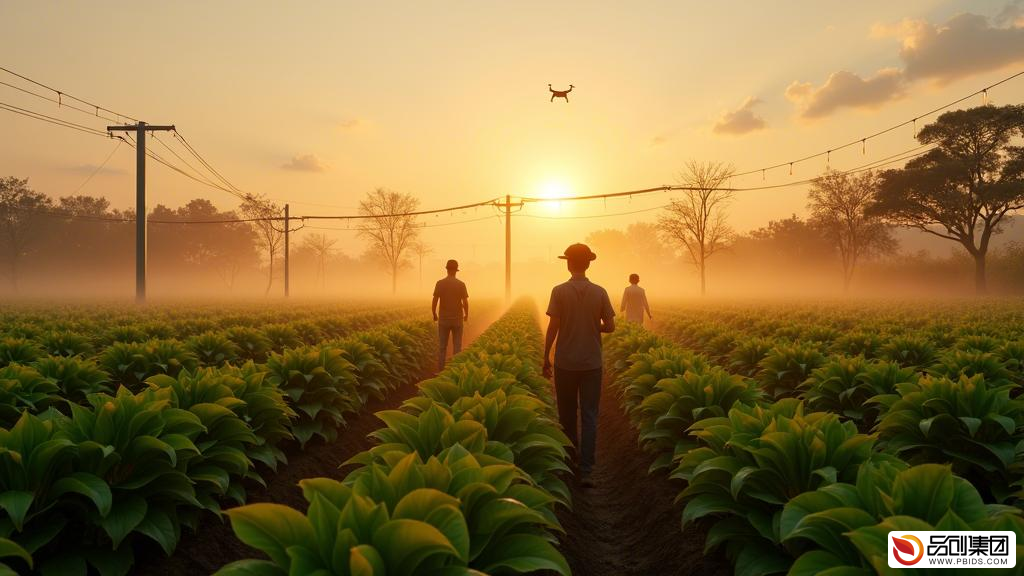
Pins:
x: 560, y: 93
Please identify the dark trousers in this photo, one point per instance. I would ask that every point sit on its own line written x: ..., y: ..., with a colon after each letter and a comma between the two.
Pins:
x: 446, y: 327
x: 579, y: 389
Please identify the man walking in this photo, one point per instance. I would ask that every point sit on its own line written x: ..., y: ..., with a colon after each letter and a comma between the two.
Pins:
x: 579, y: 312
x: 634, y: 301
x: 454, y: 299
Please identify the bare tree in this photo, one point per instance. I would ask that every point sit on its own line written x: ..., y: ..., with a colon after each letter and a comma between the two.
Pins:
x: 420, y: 249
x: 322, y: 248
x: 269, y: 232
x: 19, y: 214
x: 389, y: 227
x: 697, y: 221
x: 839, y: 204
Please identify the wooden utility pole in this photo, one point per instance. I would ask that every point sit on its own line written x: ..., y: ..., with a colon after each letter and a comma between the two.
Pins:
x: 508, y: 249
x: 140, y: 201
x: 287, y: 231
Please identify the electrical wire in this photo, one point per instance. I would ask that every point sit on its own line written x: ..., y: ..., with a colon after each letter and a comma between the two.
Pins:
x: 863, y: 140
x: 98, y: 168
x: 61, y: 95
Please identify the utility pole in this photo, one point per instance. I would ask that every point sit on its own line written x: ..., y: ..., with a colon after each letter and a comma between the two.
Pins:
x: 287, y: 230
x: 508, y: 249
x: 140, y: 202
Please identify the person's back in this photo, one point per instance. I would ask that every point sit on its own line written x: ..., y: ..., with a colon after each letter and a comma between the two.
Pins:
x: 451, y: 294
x: 634, y: 301
x: 580, y: 304
x: 580, y: 312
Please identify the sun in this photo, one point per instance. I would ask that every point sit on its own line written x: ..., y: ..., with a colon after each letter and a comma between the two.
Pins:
x: 551, y: 191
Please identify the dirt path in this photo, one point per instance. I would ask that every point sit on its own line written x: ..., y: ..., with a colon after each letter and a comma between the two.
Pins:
x: 215, y: 545
x: 627, y: 524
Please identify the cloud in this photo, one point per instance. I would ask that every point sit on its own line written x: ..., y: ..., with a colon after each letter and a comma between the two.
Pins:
x: 740, y: 121
x: 847, y: 90
x: 305, y: 163
x: 350, y: 123
x: 90, y: 168
x: 660, y: 139
x: 966, y: 44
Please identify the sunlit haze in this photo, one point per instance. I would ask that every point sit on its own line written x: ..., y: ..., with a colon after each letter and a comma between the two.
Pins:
x: 318, y: 103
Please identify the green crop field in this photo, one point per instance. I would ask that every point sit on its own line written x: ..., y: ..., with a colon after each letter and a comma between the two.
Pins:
x: 750, y: 438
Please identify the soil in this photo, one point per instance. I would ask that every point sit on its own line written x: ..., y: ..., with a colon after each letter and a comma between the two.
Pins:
x: 627, y: 523
x: 214, y: 544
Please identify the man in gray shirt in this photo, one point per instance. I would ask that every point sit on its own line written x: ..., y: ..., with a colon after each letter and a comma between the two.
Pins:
x: 580, y: 312
x: 451, y: 293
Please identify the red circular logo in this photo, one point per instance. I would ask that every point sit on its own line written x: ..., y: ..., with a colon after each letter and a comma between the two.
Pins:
x: 905, y: 546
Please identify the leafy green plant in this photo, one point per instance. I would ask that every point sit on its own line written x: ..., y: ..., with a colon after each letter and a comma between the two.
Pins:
x: 321, y: 387
x: 64, y: 343
x: 752, y: 462
x: 859, y: 343
x: 968, y: 423
x: 253, y: 345
x: 23, y: 388
x: 213, y: 349
x: 843, y: 528
x: 957, y: 363
x: 18, y: 351
x: 666, y: 415
x: 265, y: 409
x: 76, y: 378
x: 786, y: 367
x: 909, y: 351
x: 745, y: 358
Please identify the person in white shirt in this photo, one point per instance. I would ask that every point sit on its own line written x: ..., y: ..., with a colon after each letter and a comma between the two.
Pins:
x: 634, y: 301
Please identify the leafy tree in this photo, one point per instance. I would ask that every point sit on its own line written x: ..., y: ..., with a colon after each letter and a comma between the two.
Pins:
x: 420, y: 249
x: 697, y: 221
x: 964, y: 187
x: 839, y: 204
x: 389, y: 227
x: 21, y: 211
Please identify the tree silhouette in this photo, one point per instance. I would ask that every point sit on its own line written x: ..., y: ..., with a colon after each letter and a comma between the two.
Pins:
x: 20, y: 213
x: 420, y: 249
x: 697, y: 221
x: 269, y: 233
x: 840, y: 207
x: 322, y: 248
x: 961, y: 189
x: 389, y: 227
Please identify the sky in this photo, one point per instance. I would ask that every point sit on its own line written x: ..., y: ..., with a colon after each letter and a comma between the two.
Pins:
x: 317, y: 103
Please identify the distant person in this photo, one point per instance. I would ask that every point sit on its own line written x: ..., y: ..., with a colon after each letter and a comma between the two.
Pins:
x: 634, y: 301
x: 580, y: 312
x: 451, y: 293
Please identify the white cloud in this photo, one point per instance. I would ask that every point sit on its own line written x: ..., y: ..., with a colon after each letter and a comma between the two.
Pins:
x: 740, y: 121
x: 845, y: 89
x: 305, y: 163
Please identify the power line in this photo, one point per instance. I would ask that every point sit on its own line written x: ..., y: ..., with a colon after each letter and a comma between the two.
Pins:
x: 59, y: 103
x: 205, y: 163
x: 61, y: 95
x: 52, y: 120
x: 863, y: 141
x: 98, y: 168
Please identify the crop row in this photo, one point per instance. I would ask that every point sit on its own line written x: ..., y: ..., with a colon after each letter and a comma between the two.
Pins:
x: 85, y: 475
x: 463, y: 480
x: 795, y: 482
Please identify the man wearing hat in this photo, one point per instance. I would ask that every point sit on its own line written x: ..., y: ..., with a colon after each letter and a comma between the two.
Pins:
x: 580, y: 311
x: 451, y: 293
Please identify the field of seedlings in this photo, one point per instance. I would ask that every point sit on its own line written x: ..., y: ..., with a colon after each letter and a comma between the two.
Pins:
x: 799, y: 436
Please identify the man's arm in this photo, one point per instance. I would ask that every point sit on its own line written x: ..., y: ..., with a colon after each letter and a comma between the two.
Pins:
x: 549, y: 341
x: 433, y: 307
x: 607, y: 316
x: 647, y: 306
x: 622, y: 307
x: 465, y: 309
